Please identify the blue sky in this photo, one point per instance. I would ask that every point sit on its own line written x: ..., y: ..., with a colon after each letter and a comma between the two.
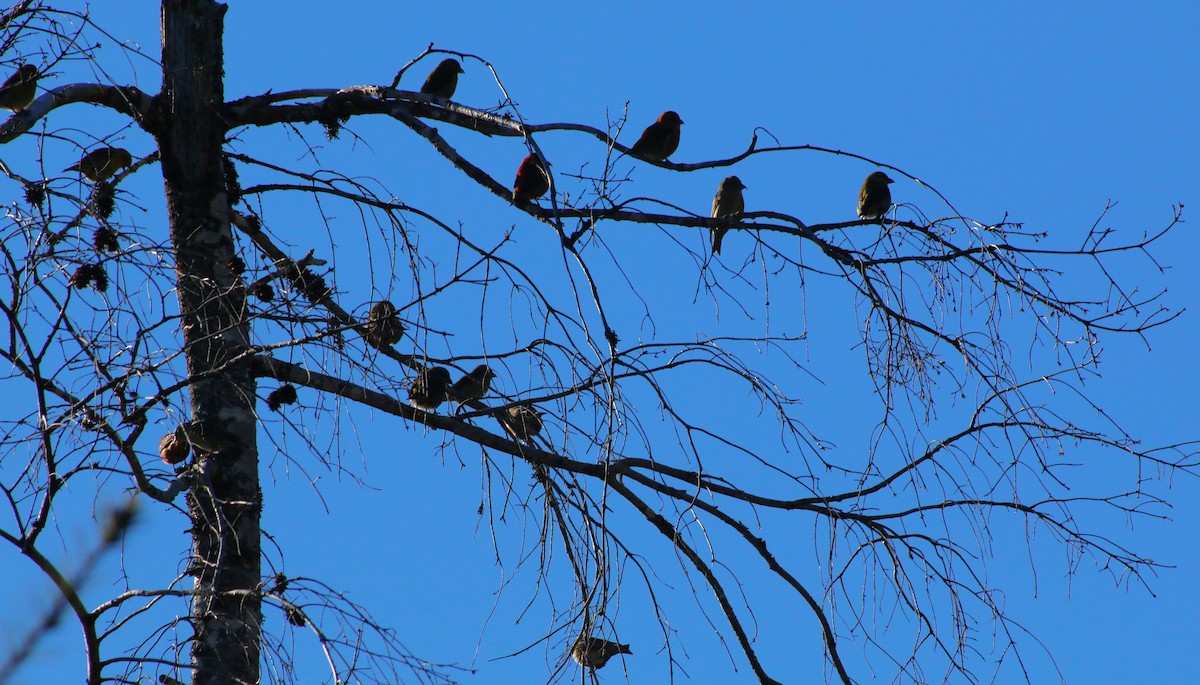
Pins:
x: 1044, y: 113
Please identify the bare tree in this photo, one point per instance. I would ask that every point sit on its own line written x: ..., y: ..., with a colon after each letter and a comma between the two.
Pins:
x: 129, y: 347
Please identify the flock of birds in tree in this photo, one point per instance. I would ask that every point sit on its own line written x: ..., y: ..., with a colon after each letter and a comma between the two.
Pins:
x: 432, y: 386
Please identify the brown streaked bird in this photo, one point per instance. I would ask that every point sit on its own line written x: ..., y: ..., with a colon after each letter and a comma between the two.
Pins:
x: 472, y: 386
x: 383, y: 326
x: 532, y: 180
x: 443, y: 80
x: 594, y: 652
x: 19, y: 89
x: 728, y: 202
x: 522, y: 422
x: 102, y: 163
x: 660, y: 139
x: 875, y: 198
x: 430, y: 389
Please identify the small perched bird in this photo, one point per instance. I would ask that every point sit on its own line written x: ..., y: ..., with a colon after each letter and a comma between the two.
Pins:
x: 472, y: 386
x: 102, y: 163
x: 875, y: 198
x: 594, y: 652
x: 443, y: 79
x: 727, y: 202
x: 522, y: 422
x: 382, y: 326
x: 431, y: 388
x: 174, y: 446
x: 19, y: 89
x: 532, y: 180
x: 660, y: 139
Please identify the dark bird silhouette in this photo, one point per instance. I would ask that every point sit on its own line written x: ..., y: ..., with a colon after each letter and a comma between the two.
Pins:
x: 19, y: 89
x: 660, y: 139
x: 383, y: 327
x: 102, y: 163
x: 728, y: 202
x: 594, y: 652
x: 875, y: 198
x: 472, y: 386
x: 532, y: 180
x: 522, y: 422
x: 431, y: 388
x: 443, y: 79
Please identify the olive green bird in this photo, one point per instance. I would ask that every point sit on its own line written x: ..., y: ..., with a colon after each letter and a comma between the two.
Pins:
x: 593, y: 652
x: 443, y: 80
x: 728, y: 202
x: 102, y: 164
x: 875, y: 198
x: 19, y: 89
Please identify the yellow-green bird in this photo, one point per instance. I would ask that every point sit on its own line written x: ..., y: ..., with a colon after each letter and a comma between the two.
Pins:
x: 443, y: 80
x: 383, y: 325
x: 522, y: 422
x: 594, y: 652
x: 430, y: 389
x: 875, y: 198
x: 19, y: 89
x: 102, y: 164
x: 472, y: 386
x: 728, y: 202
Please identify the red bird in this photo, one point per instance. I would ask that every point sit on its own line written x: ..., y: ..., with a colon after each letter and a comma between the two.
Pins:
x: 443, y: 79
x: 532, y: 180
x: 660, y: 139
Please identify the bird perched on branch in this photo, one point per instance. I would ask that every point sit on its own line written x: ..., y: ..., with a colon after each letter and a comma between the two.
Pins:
x: 532, y: 180
x: 728, y: 202
x: 472, y: 386
x: 382, y: 326
x: 522, y: 422
x: 102, y: 163
x: 19, y: 89
x: 875, y: 198
x: 660, y: 139
x: 443, y: 80
x: 594, y: 652
x: 430, y: 389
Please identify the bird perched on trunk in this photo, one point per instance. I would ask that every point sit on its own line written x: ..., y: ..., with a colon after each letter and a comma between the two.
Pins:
x: 532, y: 180
x: 594, y: 652
x: 660, y: 139
x: 102, y: 163
x: 443, y: 79
x: 431, y: 388
x: 472, y: 386
x: 19, y: 89
x: 875, y: 198
x: 174, y: 446
x: 522, y: 422
x: 728, y: 202
x: 382, y: 326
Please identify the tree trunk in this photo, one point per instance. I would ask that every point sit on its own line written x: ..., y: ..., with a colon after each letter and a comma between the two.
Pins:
x: 224, y: 499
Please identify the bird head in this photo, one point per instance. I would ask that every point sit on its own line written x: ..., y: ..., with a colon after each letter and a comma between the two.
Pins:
x: 439, y: 375
x: 451, y: 64
x: 880, y: 177
x: 27, y: 71
x: 482, y: 371
x: 733, y: 182
x: 670, y: 117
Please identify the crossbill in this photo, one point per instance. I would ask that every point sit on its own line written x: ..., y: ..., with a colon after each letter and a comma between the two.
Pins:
x: 443, y: 79
x: 728, y: 202
x: 875, y: 198
x: 660, y: 139
x: 174, y: 446
x: 430, y: 389
x: 19, y: 89
x: 594, y: 652
x: 102, y: 163
x: 472, y: 386
x: 383, y: 326
x: 532, y: 180
x: 522, y: 422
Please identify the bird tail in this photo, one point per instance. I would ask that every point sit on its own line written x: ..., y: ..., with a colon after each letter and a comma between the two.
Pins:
x: 718, y: 236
